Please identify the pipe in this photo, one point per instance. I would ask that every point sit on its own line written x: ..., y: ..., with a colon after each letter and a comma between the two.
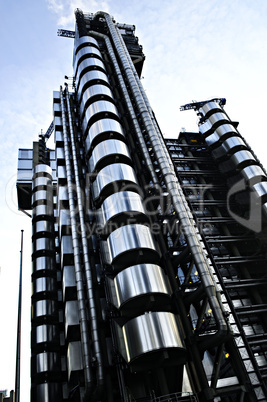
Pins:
x: 179, y: 202
x: 145, y: 98
x: 17, y: 379
x: 85, y: 340
x: 129, y: 106
x: 88, y: 273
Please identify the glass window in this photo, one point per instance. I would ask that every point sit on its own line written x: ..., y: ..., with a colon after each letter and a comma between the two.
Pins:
x: 25, y: 164
x: 25, y: 153
x: 24, y: 174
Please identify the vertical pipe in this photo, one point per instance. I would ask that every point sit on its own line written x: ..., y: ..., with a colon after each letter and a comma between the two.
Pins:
x: 85, y: 341
x: 17, y: 379
x: 88, y: 273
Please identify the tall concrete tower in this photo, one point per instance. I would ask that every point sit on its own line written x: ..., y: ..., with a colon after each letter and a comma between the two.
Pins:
x: 148, y: 255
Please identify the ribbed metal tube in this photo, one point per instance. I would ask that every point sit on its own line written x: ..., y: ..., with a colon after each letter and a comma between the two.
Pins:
x: 85, y: 340
x: 179, y: 202
x: 88, y: 273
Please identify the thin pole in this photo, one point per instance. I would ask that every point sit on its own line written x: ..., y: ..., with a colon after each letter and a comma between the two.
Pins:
x: 17, y: 379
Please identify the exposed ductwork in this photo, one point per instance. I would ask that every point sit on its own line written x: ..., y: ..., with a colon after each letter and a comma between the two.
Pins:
x: 85, y: 339
x: 88, y: 274
x: 179, y: 202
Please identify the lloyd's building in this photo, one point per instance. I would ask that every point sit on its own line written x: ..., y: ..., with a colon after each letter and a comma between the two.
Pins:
x: 148, y: 254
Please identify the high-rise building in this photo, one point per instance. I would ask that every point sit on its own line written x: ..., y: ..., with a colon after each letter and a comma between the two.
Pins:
x: 148, y: 254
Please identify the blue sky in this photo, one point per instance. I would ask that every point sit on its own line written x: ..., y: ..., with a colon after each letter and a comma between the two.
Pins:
x: 195, y: 50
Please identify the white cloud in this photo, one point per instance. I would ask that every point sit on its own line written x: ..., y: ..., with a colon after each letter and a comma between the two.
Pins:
x: 65, y: 9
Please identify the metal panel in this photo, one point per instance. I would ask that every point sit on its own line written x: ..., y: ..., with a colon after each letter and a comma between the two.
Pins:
x: 42, y: 195
x: 108, y: 179
x: 42, y: 168
x: 217, y: 118
x: 61, y: 174
x: 205, y: 127
x: 58, y: 122
x: 42, y: 226
x: 107, y: 152
x: 209, y: 106
x: 84, y: 39
x: 66, y: 250
x: 253, y: 174
x: 43, y: 263
x: 90, y: 63
x: 72, y: 320
x: 45, y: 334
x: 228, y: 147
x: 74, y: 358
x: 236, y: 161
x: 60, y: 153
x: 101, y: 106
x: 63, y: 197
x: 64, y: 222
x: 103, y: 129
x: 44, y: 285
x: 69, y: 283
x: 44, y: 309
x: 131, y: 244
x: 149, y: 337
x: 95, y: 90
x: 93, y: 75
x: 46, y: 392
x: 225, y: 130
x: 260, y: 189
x: 45, y: 362
x: 44, y: 243
x: 141, y: 288
x: 91, y: 51
x: 123, y: 206
x: 58, y: 137
x: 41, y: 181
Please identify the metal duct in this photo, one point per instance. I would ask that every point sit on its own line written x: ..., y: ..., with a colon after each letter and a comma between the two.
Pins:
x: 228, y: 147
x: 84, y: 40
x: 111, y: 178
x: 42, y: 264
x: 46, y: 392
x: 88, y: 274
x: 179, y: 202
x: 93, y: 76
x: 140, y: 288
x: 102, y: 130
x: 242, y: 163
x: 44, y: 311
x: 85, y: 339
x: 86, y: 52
x: 210, y: 107
x: 253, y: 174
x: 131, y: 244
x: 151, y: 340
x: 120, y: 208
x: 98, y: 91
x: 98, y: 109
x: 237, y: 161
x: 107, y: 152
x: 88, y: 64
x: 43, y: 334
